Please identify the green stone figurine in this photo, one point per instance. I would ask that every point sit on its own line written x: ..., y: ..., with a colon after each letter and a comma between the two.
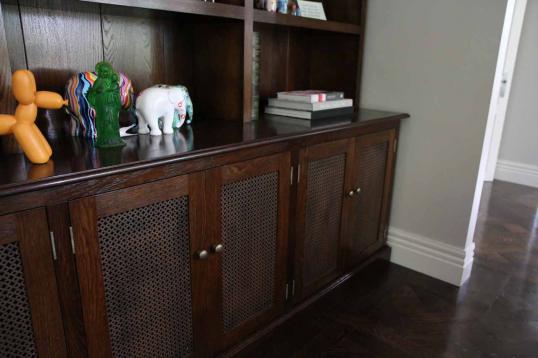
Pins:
x: 104, y: 96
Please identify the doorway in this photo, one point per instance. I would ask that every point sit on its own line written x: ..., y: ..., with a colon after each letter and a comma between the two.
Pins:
x: 506, y: 61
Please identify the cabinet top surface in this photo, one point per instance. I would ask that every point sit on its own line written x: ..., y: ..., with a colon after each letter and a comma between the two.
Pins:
x: 76, y: 159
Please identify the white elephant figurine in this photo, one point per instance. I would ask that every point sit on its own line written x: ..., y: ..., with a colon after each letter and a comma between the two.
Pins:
x: 170, y: 104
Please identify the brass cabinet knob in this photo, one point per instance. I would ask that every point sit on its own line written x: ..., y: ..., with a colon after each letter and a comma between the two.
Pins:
x: 351, y: 193
x: 202, y: 255
x: 217, y: 248
x: 358, y: 191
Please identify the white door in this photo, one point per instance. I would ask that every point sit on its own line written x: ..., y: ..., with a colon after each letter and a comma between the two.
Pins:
x: 513, y: 23
x: 503, y: 82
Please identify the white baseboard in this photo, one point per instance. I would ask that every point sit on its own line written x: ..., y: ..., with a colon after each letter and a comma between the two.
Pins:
x: 433, y: 258
x: 518, y: 173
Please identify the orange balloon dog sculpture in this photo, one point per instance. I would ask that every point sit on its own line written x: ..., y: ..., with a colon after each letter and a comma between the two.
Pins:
x: 22, y: 125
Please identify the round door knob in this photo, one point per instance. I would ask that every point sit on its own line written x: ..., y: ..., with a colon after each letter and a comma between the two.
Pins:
x: 202, y: 255
x: 217, y: 248
x: 358, y: 191
x: 351, y: 193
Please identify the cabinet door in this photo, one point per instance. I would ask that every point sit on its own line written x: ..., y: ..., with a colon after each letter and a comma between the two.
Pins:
x: 133, y: 254
x: 374, y: 162
x: 248, y: 215
x: 325, y: 174
x: 31, y: 323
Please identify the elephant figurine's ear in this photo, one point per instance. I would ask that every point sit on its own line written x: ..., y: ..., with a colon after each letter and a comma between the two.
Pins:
x: 174, y: 95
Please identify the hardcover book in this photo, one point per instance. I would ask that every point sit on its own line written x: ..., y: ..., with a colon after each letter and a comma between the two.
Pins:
x: 313, y: 107
x: 308, y: 115
x: 310, y: 96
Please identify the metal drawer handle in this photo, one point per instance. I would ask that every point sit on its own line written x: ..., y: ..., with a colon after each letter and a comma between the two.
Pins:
x: 217, y: 248
x: 202, y: 255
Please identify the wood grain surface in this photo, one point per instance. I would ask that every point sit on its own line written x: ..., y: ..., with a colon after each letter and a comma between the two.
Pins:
x: 61, y: 38
x: 167, y: 41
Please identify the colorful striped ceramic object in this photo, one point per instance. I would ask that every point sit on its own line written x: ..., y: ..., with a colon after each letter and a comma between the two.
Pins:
x: 81, y: 112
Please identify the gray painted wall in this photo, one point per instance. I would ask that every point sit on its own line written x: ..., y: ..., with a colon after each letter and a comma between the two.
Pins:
x: 436, y: 60
x: 520, y: 136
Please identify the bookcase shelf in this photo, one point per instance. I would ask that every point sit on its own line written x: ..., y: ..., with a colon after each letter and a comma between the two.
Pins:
x: 223, y: 10
x: 196, y: 7
x: 261, y: 16
x: 207, y: 47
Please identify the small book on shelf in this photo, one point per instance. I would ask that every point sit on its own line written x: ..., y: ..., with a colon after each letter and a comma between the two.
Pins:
x: 313, y: 107
x: 310, y: 96
x: 309, y: 115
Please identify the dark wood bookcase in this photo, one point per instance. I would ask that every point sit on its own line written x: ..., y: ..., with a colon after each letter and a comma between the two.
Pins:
x: 202, y: 45
x: 200, y: 242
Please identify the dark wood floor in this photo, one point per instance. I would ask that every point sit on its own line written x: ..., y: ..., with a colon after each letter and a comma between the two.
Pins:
x: 389, y: 311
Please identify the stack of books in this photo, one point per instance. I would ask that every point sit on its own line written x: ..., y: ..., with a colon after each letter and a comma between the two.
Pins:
x: 310, y: 105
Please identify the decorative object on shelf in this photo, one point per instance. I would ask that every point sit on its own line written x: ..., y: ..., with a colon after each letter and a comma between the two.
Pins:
x: 256, y: 53
x: 171, y: 104
x: 312, y: 9
x: 22, y: 124
x: 82, y: 113
x: 268, y: 5
x: 105, y: 97
x: 293, y: 8
x: 282, y: 6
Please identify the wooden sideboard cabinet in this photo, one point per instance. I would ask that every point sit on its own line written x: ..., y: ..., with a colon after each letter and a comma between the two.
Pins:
x: 342, y: 206
x: 197, y: 243
x: 192, y: 254
x: 174, y: 266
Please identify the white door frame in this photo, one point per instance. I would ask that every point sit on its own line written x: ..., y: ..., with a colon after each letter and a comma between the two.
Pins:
x: 513, y: 23
x: 506, y: 63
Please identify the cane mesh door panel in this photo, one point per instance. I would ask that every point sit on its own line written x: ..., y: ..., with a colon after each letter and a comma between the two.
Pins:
x: 325, y: 188
x: 145, y: 258
x: 249, y: 222
x: 16, y: 334
x: 372, y: 171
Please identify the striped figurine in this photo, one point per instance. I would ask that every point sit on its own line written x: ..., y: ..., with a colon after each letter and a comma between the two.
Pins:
x: 81, y: 112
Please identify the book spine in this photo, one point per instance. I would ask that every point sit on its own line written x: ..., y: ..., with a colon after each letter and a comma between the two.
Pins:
x: 333, y: 96
x: 299, y: 98
x: 331, y: 113
x: 255, y: 76
x: 303, y: 106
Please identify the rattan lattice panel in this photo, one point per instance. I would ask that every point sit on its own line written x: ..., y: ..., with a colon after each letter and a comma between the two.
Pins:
x: 372, y: 169
x: 145, y: 254
x: 16, y: 333
x: 325, y: 188
x: 249, y: 233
